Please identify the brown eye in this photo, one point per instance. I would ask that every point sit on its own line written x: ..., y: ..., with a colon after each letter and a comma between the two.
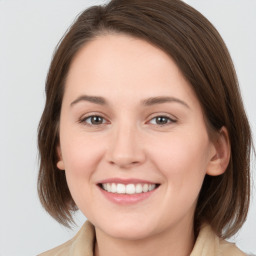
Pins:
x: 94, y: 120
x: 161, y: 120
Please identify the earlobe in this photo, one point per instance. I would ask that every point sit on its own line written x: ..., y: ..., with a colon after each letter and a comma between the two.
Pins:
x: 60, y: 163
x: 220, y: 159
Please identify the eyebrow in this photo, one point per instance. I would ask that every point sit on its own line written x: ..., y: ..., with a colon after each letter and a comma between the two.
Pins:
x: 163, y: 99
x: 147, y: 102
x: 93, y: 99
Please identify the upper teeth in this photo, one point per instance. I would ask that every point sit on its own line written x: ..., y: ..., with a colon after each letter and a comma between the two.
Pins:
x: 128, y: 189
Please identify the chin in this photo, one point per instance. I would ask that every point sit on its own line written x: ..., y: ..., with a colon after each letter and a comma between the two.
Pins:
x: 126, y: 229
x: 133, y: 232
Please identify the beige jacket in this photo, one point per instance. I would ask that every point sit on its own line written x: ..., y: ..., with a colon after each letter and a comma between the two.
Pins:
x: 207, y: 244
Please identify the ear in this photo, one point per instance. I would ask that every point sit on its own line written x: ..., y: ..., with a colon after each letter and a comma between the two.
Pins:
x: 221, y: 154
x: 60, y: 163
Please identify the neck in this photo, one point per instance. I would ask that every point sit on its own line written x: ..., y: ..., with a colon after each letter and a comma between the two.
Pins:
x: 178, y: 241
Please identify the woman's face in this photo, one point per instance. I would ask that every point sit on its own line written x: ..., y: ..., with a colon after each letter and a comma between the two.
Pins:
x: 133, y: 141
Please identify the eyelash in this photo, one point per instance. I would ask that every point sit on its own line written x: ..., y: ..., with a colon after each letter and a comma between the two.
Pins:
x: 168, y: 119
x: 83, y: 120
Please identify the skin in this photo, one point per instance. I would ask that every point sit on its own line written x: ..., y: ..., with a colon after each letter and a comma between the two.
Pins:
x: 128, y: 142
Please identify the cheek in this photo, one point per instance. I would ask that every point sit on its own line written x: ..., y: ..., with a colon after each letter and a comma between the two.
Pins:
x: 181, y: 151
x: 182, y: 161
x: 81, y: 154
x: 81, y: 157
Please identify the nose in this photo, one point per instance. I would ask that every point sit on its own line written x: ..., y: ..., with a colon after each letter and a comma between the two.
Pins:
x: 126, y: 148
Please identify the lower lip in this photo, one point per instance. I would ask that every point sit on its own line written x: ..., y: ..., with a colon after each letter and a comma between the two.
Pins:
x: 125, y: 198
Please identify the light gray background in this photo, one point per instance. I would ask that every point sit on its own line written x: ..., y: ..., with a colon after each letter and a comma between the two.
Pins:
x: 29, y: 31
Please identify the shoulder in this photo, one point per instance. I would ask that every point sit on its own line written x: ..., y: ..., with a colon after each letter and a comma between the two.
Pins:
x: 80, y: 244
x: 228, y: 248
x: 208, y: 243
x: 61, y: 250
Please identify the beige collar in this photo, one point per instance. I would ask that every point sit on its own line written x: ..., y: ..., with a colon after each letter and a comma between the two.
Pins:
x: 207, y: 244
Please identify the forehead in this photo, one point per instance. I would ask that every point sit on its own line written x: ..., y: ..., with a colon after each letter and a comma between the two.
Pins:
x: 119, y: 54
x: 118, y: 64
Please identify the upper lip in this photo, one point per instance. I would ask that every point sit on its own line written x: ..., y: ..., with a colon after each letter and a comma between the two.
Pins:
x: 126, y: 181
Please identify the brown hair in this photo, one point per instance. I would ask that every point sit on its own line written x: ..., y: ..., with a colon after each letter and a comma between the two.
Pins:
x: 200, y: 53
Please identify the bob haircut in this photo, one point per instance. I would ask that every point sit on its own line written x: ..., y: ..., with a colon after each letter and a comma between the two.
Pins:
x: 201, y: 55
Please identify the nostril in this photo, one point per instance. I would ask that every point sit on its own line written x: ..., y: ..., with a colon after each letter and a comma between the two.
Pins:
x: 124, y: 164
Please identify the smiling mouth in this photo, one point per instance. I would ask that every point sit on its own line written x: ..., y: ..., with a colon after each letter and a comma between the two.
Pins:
x: 128, y: 189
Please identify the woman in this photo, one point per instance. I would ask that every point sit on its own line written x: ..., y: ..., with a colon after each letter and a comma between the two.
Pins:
x: 145, y: 132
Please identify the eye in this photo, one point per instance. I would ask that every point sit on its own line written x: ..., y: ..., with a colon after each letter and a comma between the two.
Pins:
x: 94, y: 120
x: 161, y: 120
